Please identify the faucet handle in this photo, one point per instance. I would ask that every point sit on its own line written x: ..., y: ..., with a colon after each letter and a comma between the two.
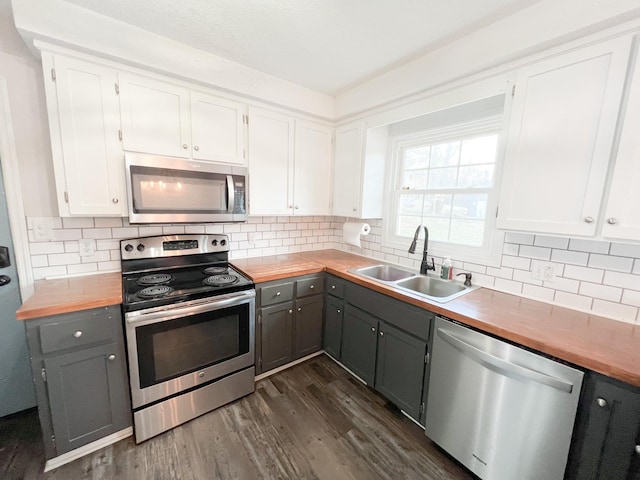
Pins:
x: 467, y: 278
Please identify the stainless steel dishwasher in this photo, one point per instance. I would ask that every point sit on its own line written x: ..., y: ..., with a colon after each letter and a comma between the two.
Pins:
x: 502, y: 411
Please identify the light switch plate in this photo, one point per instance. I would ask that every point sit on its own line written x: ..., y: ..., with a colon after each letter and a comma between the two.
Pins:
x: 42, y: 228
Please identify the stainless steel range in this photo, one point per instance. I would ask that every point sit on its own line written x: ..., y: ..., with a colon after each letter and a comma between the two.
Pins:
x: 190, y: 329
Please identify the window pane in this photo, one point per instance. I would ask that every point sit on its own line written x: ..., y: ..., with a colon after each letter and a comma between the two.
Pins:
x: 445, y: 154
x: 443, y: 177
x: 438, y: 205
x: 470, y: 206
x: 438, y: 228
x: 416, y: 157
x: 479, y: 150
x: 415, y: 179
x: 407, y: 225
x: 467, y: 232
x: 409, y: 204
x: 475, y: 176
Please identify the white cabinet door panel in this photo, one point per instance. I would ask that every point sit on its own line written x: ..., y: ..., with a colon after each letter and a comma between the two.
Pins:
x: 347, y: 177
x: 155, y: 116
x: 622, y: 215
x: 217, y: 129
x: 270, y: 163
x: 560, y: 138
x: 312, y: 170
x: 89, y: 120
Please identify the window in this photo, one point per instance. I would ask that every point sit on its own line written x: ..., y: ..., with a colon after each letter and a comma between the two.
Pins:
x: 444, y: 179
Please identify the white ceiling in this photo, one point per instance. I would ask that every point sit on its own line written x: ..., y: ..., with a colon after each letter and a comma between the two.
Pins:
x: 326, y: 45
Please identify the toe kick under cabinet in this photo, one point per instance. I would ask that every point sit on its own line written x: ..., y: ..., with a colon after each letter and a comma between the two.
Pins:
x: 80, y: 377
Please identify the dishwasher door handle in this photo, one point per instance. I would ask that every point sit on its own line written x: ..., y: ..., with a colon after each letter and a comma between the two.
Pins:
x: 503, y: 366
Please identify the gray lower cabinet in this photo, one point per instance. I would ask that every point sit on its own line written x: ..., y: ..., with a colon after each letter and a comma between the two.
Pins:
x: 385, y: 343
x: 289, y: 314
x: 79, y: 370
x: 334, y: 308
x: 606, y: 438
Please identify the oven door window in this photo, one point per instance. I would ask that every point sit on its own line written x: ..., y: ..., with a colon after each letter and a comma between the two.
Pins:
x: 180, y: 346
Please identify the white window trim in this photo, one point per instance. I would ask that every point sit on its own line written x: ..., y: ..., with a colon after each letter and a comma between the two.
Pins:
x: 491, y: 252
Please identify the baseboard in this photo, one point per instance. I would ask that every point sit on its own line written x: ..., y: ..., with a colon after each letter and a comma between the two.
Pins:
x: 347, y: 369
x: 288, y: 365
x: 87, y: 449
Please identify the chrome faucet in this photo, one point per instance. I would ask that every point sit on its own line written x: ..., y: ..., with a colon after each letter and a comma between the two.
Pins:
x: 424, y: 265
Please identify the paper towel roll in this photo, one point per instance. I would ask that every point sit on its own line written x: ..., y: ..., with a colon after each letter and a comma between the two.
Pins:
x: 351, y: 232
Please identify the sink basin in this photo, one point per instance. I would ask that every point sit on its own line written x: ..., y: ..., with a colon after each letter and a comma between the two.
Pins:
x: 425, y: 286
x: 386, y: 273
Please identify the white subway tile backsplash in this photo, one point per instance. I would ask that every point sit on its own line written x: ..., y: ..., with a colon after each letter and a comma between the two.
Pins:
x: 539, y: 253
x: 625, y: 250
x: 39, y: 261
x: 44, y: 272
x: 537, y: 292
x: 97, y: 233
x: 583, y: 273
x: 98, y: 256
x: 194, y: 229
x: 571, y: 300
x: 610, y: 262
x: 149, y: 231
x: 636, y: 266
x: 108, y: 266
x: 77, y: 222
x: 172, y: 230
x: 508, y: 285
x: 520, y: 238
x: 604, y: 292
x: 71, y: 246
x: 43, y: 248
x: 591, y: 246
x: 214, y: 229
x: 551, y: 242
x: 563, y: 284
x: 568, y: 256
x: 631, y: 297
x: 622, y: 280
x: 516, y: 262
x: 82, y: 268
x: 626, y: 313
x: 108, y: 245
x: 502, y: 272
x: 67, y: 234
x: 111, y: 222
x: 525, y: 277
x: 63, y: 259
x: 132, y: 232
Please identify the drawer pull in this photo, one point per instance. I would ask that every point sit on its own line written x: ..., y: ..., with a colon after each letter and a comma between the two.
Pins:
x: 299, y: 309
x: 333, y: 287
x: 638, y: 449
x: 77, y: 333
x: 290, y: 311
x: 277, y: 294
x: 373, y: 329
x: 311, y: 287
x: 111, y: 357
x: 382, y: 334
x: 601, y: 402
x: 339, y: 311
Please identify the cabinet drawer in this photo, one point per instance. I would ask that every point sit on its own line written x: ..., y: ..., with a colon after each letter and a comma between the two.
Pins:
x: 281, y: 292
x: 75, y: 333
x: 335, y: 286
x: 309, y: 286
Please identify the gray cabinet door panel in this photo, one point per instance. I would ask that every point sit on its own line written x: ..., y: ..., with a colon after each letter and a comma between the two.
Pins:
x: 277, y: 331
x: 335, y: 286
x: 359, y: 337
x: 413, y: 320
x: 400, y: 368
x: 308, y: 326
x: 332, y: 334
x: 87, y: 395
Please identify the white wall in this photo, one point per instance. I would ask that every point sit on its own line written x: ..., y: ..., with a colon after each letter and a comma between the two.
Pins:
x: 23, y: 74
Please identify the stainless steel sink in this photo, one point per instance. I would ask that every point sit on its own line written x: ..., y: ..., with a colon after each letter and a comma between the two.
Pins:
x: 425, y: 286
x: 386, y: 273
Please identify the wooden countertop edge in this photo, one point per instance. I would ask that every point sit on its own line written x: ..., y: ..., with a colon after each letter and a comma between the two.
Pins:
x: 46, y: 311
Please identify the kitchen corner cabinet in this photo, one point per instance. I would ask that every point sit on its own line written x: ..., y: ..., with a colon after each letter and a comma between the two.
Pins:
x: 622, y: 215
x: 84, y: 123
x: 289, y: 165
x: 560, y: 137
x: 385, y: 343
x: 334, y: 308
x: 80, y: 377
x: 606, y: 438
x: 359, y: 167
x: 289, y: 314
x: 166, y: 119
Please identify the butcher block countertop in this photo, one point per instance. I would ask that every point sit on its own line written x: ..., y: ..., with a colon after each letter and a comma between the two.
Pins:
x: 605, y: 346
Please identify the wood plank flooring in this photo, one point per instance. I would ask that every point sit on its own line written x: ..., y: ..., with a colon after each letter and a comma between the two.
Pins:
x: 312, y: 421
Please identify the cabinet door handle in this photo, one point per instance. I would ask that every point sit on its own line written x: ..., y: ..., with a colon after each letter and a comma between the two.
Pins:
x: 612, y: 221
x: 114, y: 200
x: 77, y: 333
x: 588, y: 219
x: 638, y: 449
x: 601, y: 402
x: 373, y: 329
x: 299, y: 309
x: 339, y: 311
x: 333, y: 287
x: 296, y: 207
x: 382, y: 334
x: 111, y: 357
x: 196, y: 148
x: 185, y: 146
x: 290, y: 311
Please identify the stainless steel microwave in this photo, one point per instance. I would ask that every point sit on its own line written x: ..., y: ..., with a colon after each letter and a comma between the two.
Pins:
x: 175, y: 190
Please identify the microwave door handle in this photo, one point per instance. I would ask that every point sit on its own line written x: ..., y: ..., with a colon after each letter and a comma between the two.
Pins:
x: 231, y: 194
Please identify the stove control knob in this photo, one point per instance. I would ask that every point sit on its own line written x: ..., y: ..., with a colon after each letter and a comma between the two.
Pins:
x: 128, y: 247
x: 140, y: 247
x: 223, y: 242
x: 214, y: 243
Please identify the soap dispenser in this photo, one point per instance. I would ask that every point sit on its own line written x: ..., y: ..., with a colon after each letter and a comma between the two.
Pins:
x: 446, y: 271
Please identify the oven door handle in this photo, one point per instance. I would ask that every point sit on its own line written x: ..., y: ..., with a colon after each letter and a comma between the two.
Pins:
x: 231, y: 194
x: 189, y: 308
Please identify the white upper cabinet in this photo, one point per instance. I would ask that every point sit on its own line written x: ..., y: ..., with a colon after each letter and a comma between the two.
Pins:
x: 155, y: 116
x: 271, y: 140
x: 312, y: 169
x: 289, y: 165
x: 560, y: 137
x: 84, y: 121
x: 359, y: 165
x: 217, y: 129
x: 622, y: 214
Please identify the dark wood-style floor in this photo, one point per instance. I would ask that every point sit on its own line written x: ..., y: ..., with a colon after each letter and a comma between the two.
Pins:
x: 312, y: 421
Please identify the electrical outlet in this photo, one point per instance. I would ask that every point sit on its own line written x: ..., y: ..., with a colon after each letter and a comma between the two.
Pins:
x: 87, y: 247
x: 253, y: 238
x: 543, y: 271
x: 42, y: 228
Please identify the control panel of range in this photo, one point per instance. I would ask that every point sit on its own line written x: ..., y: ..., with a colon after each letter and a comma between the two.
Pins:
x: 172, y: 245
